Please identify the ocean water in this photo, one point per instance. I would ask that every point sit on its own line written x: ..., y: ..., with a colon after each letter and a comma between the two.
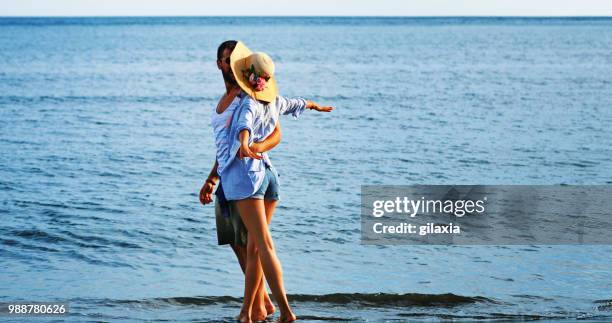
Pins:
x: 105, y: 141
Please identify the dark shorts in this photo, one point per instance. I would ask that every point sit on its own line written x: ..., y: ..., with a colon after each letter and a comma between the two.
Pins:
x: 230, y: 230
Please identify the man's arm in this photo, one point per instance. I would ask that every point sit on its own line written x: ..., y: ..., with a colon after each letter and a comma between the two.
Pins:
x: 213, y: 176
x: 209, y: 185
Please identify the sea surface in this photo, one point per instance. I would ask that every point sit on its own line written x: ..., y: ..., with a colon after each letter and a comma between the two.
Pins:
x: 105, y: 142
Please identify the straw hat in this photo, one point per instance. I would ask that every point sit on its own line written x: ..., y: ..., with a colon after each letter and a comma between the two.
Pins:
x: 254, y: 73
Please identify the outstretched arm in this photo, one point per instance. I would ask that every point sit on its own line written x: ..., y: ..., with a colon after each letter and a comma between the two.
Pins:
x: 270, y: 142
x: 295, y: 106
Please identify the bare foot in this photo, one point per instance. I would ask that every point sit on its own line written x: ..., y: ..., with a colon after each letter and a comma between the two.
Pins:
x: 259, y: 313
x: 243, y: 317
x: 290, y: 318
x: 270, y: 309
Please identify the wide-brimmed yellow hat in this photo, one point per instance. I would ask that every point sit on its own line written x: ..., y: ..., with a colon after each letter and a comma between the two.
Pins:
x: 254, y: 73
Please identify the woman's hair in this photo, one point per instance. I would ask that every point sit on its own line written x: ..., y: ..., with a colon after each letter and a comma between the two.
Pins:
x: 228, y: 44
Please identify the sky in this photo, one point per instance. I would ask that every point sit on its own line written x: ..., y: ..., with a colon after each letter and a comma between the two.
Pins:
x: 306, y: 8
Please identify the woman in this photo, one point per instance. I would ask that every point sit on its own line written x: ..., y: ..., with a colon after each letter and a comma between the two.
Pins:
x: 230, y: 228
x: 250, y: 180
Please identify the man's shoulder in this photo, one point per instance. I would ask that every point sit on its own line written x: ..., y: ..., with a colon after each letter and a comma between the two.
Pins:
x: 231, y: 106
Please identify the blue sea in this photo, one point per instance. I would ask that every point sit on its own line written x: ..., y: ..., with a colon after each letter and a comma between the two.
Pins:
x: 105, y: 141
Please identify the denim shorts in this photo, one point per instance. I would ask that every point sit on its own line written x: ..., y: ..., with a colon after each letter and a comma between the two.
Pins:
x: 270, y: 188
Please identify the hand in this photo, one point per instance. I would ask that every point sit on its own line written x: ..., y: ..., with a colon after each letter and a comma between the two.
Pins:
x: 315, y: 106
x: 206, y: 192
x: 245, y: 151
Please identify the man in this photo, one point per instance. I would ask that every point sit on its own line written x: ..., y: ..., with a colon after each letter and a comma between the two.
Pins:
x: 231, y: 230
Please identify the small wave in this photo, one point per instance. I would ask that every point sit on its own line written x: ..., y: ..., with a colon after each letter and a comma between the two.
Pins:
x: 485, y: 317
x: 373, y: 300
x: 346, y: 307
x: 580, y: 163
x: 39, y: 235
x: 324, y: 318
x: 532, y: 297
x: 604, y: 305
x: 384, y: 299
x: 64, y: 239
x: 101, y: 241
x: 25, y: 246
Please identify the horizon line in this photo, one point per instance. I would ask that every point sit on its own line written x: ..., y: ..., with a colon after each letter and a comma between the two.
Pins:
x: 309, y: 16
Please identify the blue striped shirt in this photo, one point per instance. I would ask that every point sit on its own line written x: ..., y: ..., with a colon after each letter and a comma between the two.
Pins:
x: 241, y: 178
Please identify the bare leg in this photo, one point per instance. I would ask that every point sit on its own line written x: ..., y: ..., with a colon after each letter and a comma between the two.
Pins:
x: 261, y: 304
x: 270, y: 206
x: 252, y: 277
x: 253, y: 214
x: 240, y: 252
x: 259, y: 307
x: 258, y: 310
